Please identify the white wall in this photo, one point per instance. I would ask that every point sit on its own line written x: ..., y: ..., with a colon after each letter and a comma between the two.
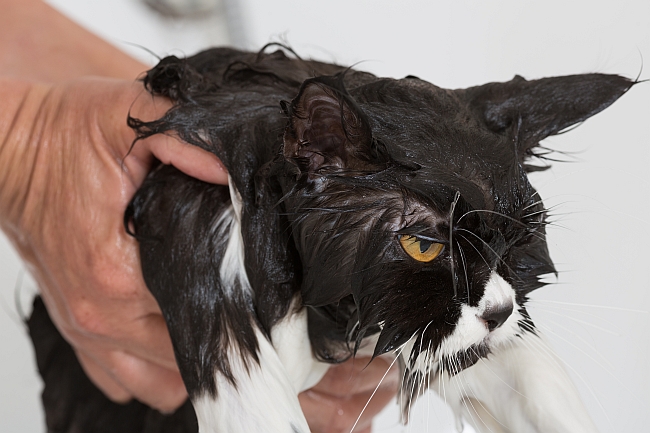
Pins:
x: 597, y: 315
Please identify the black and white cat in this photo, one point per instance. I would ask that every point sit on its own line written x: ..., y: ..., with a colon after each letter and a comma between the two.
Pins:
x: 363, y: 213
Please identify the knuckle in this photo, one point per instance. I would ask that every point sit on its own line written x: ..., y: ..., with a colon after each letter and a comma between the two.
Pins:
x: 169, y: 406
x: 86, y: 319
x: 113, y: 281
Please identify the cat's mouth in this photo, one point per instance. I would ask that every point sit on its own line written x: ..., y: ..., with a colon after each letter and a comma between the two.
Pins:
x: 435, y: 363
x: 454, y: 364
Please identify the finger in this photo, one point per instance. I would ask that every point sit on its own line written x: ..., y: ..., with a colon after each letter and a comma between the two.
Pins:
x: 357, y: 375
x: 156, y: 386
x: 98, y: 376
x: 348, y: 390
x: 326, y: 413
x: 146, y: 338
x: 131, y: 98
x: 189, y: 159
x: 154, y: 344
x: 122, y: 376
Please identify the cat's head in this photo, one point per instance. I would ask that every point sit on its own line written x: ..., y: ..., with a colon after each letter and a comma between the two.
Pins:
x: 412, y: 211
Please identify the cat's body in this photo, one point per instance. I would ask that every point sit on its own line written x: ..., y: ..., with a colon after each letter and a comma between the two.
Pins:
x: 362, y: 212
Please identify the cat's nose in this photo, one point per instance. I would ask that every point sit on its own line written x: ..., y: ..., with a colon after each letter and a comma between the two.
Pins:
x: 496, y: 315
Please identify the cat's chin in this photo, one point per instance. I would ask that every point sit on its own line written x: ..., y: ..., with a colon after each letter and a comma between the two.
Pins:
x: 455, y: 355
x: 458, y: 362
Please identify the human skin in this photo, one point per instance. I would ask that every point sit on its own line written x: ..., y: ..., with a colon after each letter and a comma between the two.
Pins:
x: 64, y: 185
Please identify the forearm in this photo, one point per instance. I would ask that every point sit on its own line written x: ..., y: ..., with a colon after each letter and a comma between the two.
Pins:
x: 21, y: 102
x: 39, y: 43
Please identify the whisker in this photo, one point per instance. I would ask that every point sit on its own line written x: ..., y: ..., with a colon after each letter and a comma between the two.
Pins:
x: 422, y: 336
x: 583, y: 340
x: 545, y: 350
x: 412, y: 396
x: 583, y: 322
x: 486, y: 365
x: 462, y: 256
x: 535, y: 203
x: 402, y: 387
x: 491, y: 249
x: 464, y: 401
x: 540, y: 201
x: 594, y: 360
x: 469, y: 385
x: 521, y: 223
x: 609, y: 208
x: 442, y: 379
x: 474, y: 411
x: 375, y: 391
x: 451, y: 239
x: 479, y: 253
x: 429, y: 361
x: 495, y: 213
x: 467, y: 400
x: 607, y: 307
x: 539, y: 212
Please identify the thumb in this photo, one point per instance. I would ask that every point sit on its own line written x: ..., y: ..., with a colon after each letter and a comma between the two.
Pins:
x: 189, y: 159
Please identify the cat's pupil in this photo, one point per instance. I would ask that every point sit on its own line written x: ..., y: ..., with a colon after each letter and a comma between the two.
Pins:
x: 425, y: 245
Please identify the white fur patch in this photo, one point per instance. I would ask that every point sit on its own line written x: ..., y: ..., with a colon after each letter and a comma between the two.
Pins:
x: 521, y: 387
x: 235, y: 198
x: 291, y: 342
x: 471, y: 329
x: 265, y: 397
x: 232, y: 269
x: 264, y: 400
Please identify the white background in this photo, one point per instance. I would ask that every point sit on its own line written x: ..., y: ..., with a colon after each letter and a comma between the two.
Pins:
x: 597, y: 315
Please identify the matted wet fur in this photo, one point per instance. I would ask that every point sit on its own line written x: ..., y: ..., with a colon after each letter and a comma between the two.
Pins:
x: 363, y: 213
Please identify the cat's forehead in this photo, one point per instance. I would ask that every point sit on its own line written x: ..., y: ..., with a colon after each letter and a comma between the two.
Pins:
x: 418, y: 121
x: 422, y: 124
x: 476, y: 142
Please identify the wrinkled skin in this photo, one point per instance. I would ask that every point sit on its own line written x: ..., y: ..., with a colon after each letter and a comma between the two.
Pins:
x: 63, y: 212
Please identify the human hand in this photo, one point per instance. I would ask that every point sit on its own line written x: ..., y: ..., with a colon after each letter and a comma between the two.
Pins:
x: 63, y: 189
x: 334, y: 404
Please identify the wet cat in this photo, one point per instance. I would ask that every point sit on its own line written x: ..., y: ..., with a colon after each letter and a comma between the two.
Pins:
x: 363, y: 213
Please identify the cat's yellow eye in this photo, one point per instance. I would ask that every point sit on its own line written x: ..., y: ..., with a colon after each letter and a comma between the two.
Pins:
x: 420, y: 249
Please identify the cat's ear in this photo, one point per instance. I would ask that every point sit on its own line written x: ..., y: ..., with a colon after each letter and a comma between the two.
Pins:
x: 533, y: 110
x: 326, y: 129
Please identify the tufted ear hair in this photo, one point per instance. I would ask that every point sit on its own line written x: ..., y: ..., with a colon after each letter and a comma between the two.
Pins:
x: 530, y: 111
x: 327, y: 130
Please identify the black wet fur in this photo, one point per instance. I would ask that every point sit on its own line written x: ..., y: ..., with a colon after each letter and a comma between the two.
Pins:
x: 73, y: 404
